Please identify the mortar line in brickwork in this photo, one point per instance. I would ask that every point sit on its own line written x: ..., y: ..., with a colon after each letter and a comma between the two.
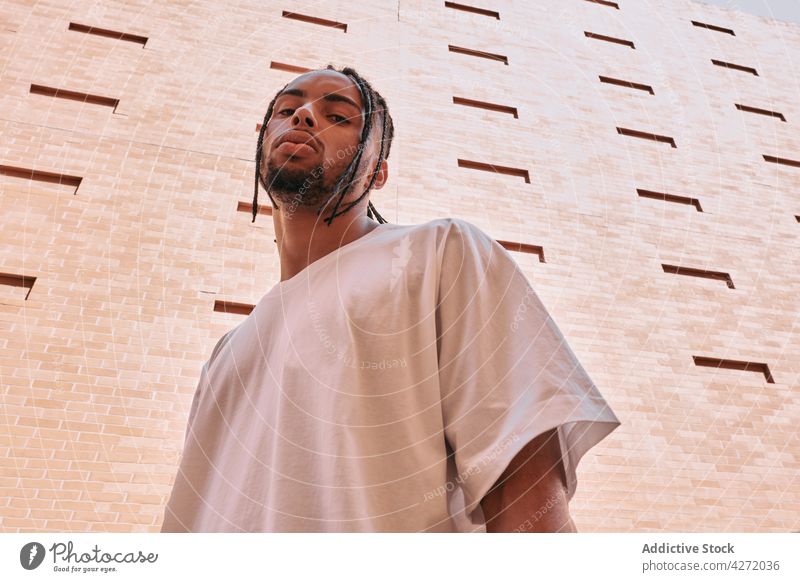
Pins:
x: 160, y: 146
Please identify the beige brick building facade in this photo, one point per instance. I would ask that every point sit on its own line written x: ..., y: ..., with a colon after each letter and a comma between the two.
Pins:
x: 647, y: 152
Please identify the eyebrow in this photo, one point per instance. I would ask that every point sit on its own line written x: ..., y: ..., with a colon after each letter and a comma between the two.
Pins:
x: 332, y: 97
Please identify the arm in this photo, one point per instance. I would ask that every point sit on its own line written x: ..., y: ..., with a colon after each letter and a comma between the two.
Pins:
x: 530, y: 495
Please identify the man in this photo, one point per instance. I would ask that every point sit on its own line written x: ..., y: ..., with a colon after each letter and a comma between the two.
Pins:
x: 396, y: 378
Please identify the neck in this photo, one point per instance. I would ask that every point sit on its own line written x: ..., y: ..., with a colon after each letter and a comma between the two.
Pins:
x: 304, y: 237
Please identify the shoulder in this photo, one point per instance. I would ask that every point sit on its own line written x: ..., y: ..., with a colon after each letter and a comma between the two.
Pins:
x: 221, y: 342
x: 453, y: 229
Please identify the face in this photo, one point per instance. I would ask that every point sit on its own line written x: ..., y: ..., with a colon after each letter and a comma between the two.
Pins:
x: 311, y: 138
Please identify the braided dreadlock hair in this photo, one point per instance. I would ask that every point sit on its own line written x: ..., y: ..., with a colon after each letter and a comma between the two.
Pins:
x: 374, y: 104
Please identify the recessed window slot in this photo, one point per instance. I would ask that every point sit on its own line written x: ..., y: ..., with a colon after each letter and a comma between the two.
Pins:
x: 495, y: 168
x: 16, y: 286
x: 782, y: 161
x: 750, y: 70
x: 233, y: 307
x: 475, y: 53
x: 486, y: 105
x: 735, y: 365
x: 523, y: 248
x: 630, y: 84
x: 609, y: 39
x: 472, y: 9
x: 605, y: 3
x: 767, y: 112
x: 669, y: 198
x: 248, y: 207
x: 713, y: 27
x: 705, y: 274
x: 75, y: 96
x: 646, y: 135
x: 108, y: 33
x: 41, y: 176
x: 314, y: 20
x: 288, y: 68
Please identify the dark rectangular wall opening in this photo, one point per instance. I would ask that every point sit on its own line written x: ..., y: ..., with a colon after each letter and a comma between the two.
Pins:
x: 713, y: 27
x: 233, y: 307
x: 519, y: 247
x: 288, y: 68
x: 735, y: 365
x: 41, y: 176
x: 314, y: 20
x: 75, y: 96
x: 767, y: 112
x: 605, y: 3
x: 782, y: 161
x: 670, y: 198
x: 486, y: 105
x: 611, y: 39
x: 702, y: 273
x: 243, y: 206
x: 473, y: 9
x: 734, y: 66
x: 646, y: 135
x: 21, y: 282
x: 495, y: 168
x: 135, y: 38
x: 630, y: 84
x: 474, y: 53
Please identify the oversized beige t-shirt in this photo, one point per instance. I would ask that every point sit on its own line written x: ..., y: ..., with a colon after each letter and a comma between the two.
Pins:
x: 385, y: 387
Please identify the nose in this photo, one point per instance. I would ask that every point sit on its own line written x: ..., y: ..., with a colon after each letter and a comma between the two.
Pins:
x: 303, y: 116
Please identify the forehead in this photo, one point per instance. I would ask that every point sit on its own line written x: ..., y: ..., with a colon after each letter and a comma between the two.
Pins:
x: 315, y: 84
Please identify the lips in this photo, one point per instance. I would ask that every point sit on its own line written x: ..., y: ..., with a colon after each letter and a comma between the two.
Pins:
x: 297, y: 137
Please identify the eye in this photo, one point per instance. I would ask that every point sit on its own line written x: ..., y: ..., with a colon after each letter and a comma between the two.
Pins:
x: 343, y: 120
x: 282, y: 110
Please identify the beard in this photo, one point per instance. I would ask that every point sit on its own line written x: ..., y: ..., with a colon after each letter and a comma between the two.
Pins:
x: 298, y: 187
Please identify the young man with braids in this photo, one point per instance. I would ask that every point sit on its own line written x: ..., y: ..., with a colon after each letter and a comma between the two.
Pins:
x: 397, y: 377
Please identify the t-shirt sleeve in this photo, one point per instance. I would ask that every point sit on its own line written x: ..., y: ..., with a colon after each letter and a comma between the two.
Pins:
x: 203, y: 382
x: 506, y: 372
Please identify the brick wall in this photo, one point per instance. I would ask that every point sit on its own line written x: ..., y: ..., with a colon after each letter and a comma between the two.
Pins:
x: 121, y: 228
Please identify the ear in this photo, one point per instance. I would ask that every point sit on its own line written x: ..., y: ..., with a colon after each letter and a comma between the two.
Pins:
x: 380, y: 179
